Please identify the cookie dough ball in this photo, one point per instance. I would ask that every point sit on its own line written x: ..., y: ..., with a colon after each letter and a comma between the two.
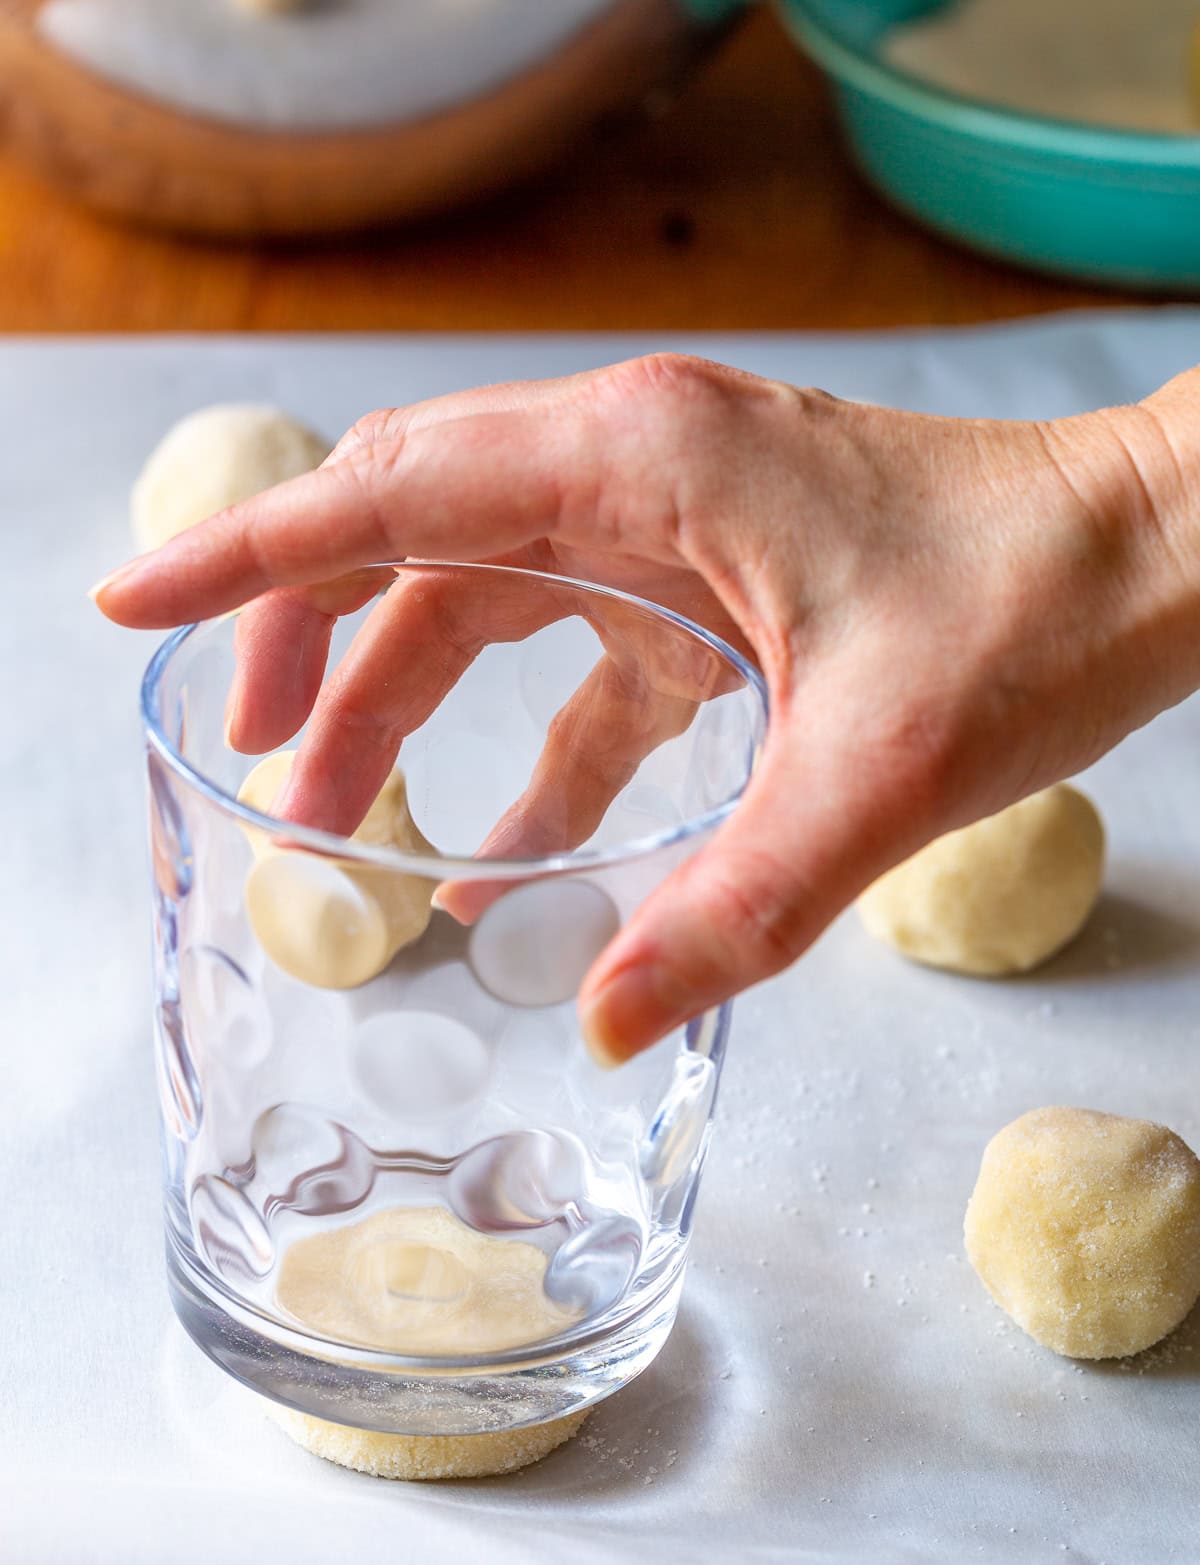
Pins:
x: 997, y: 897
x: 427, y: 1456
x: 335, y: 923
x: 215, y: 458
x: 1085, y: 1228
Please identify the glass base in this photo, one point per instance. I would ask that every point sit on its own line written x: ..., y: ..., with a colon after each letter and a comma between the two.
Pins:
x: 372, y: 1391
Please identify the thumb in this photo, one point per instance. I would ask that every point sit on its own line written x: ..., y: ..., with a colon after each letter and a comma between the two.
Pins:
x: 798, y: 849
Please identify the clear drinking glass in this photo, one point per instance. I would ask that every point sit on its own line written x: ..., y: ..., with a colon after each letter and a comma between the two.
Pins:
x: 417, y: 1204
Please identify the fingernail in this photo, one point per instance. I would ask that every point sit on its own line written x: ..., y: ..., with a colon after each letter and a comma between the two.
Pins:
x: 632, y: 1011
x: 105, y: 582
x: 454, y: 897
x: 467, y: 901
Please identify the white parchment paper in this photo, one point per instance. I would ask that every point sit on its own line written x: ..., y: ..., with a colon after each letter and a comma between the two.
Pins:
x: 839, y: 1388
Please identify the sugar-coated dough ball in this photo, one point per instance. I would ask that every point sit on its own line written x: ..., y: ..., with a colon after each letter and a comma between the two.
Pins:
x: 331, y: 922
x: 427, y: 1456
x: 997, y: 897
x: 215, y: 458
x: 1085, y: 1228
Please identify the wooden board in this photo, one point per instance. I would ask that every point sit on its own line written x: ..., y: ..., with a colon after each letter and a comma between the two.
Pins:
x: 737, y: 208
x: 143, y: 160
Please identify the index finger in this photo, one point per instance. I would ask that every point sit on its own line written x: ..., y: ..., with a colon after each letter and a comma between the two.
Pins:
x: 458, y: 491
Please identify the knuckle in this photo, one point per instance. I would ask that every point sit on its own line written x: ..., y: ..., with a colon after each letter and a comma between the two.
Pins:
x: 443, y: 616
x: 669, y: 374
x: 373, y: 429
x: 756, y: 908
x: 381, y: 424
x: 377, y: 468
x: 571, y: 745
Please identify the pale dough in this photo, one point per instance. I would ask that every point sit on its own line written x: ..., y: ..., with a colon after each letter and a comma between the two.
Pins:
x: 997, y: 897
x: 427, y: 1456
x: 215, y: 458
x: 417, y: 1280
x: 1085, y: 1228
x: 331, y: 922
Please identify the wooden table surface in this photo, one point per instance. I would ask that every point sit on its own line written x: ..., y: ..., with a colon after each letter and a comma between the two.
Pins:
x: 737, y: 208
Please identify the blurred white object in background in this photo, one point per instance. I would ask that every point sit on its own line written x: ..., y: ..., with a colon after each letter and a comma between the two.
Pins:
x: 254, y: 117
x: 216, y: 457
x: 332, y: 66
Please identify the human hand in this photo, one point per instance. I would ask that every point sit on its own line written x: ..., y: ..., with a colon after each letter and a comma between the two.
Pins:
x: 949, y: 614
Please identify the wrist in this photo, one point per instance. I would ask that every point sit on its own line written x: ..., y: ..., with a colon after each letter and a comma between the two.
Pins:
x: 1153, y: 463
x: 1135, y: 472
x: 1164, y: 435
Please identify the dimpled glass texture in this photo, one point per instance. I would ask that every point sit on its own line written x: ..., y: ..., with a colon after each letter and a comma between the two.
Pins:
x: 502, y: 1224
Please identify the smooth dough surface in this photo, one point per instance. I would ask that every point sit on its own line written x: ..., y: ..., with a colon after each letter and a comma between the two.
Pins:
x: 417, y: 1280
x: 329, y: 922
x: 427, y: 1456
x: 997, y: 897
x: 1085, y: 1228
x: 217, y: 457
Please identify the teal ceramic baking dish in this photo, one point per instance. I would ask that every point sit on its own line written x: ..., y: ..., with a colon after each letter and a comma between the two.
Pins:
x: 1103, y: 205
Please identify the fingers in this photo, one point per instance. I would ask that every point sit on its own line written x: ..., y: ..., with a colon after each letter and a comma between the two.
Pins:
x: 282, y: 645
x: 594, y: 460
x: 800, y: 846
x: 506, y: 396
x: 414, y: 648
x: 462, y: 490
x: 593, y: 749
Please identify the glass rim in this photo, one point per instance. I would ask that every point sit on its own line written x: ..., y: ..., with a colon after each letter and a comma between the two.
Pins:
x: 451, y: 866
